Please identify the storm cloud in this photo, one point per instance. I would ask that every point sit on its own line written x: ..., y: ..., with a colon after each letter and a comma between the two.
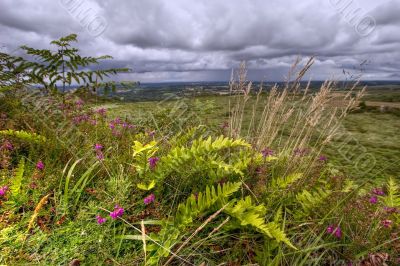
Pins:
x: 187, y: 40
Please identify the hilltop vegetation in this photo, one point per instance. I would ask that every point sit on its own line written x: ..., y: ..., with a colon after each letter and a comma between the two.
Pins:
x: 251, y: 180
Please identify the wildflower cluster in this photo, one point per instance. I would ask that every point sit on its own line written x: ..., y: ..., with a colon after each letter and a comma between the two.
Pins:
x: 267, y: 152
x: 149, y: 199
x: 153, y: 162
x: 3, y: 190
x: 334, y: 230
x: 99, y: 151
x: 118, y: 212
x: 117, y: 125
x: 40, y: 165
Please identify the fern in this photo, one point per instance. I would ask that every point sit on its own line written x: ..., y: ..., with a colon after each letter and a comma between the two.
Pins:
x: 23, y: 135
x: 17, y: 180
x: 204, y: 156
x: 284, y: 182
x: 173, y: 231
x: 309, y: 201
x: 392, y: 198
x: 249, y: 214
x: 182, y: 138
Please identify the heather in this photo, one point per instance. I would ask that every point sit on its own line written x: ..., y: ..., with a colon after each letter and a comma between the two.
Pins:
x: 84, y: 183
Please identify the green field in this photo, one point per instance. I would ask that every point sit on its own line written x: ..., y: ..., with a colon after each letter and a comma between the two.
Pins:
x: 368, y: 145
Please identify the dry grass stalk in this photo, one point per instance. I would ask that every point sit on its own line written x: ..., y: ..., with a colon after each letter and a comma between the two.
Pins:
x: 144, y: 240
x: 209, y: 219
x: 291, y: 119
x: 40, y: 205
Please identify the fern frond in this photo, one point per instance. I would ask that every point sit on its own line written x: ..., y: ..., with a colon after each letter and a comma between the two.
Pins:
x: 23, y: 135
x: 17, y: 180
x: 392, y: 198
x: 173, y: 231
x: 205, y: 156
x: 309, y: 201
x: 284, y: 182
x: 248, y: 214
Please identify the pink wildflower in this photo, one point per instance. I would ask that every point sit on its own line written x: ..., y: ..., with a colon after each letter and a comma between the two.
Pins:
x: 7, y: 146
x: 153, y: 162
x: 100, y: 156
x: 40, y: 165
x: 267, y: 152
x: 330, y: 229
x: 338, y: 232
x: 149, y: 199
x: 322, y: 158
x: 334, y: 230
x: 378, y: 191
x: 118, y: 212
x: 390, y: 209
x: 98, y: 147
x: 3, y: 190
x: 102, y: 111
x: 116, y: 133
x: 373, y: 200
x: 100, y: 220
x: 79, y: 102
x: 387, y: 223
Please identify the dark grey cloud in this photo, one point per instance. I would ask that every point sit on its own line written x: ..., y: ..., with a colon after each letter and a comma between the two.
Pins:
x: 204, y: 40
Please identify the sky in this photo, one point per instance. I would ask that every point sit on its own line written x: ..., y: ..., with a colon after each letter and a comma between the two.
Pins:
x: 203, y: 40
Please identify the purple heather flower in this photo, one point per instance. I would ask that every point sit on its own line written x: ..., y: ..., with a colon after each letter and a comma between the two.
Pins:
x: 100, y: 220
x: 152, y: 133
x: 373, y: 199
x: 131, y: 126
x: 40, y: 165
x: 334, y: 230
x: 117, y: 120
x: 124, y: 125
x: 267, y: 152
x: 76, y: 120
x: 338, y: 232
x: 102, y: 111
x: 387, y: 223
x: 3, y: 190
x: 300, y: 152
x: 330, y: 229
x: 118, y: 212
x: 79, y: 102
x: 390, y: 209
x: 98, y: 147
x: 112, y: 125
x: 149, y: 199
x: 322, y: 158
x: 378, y: 191
x: 7, y: 145
x: 116, y: 133
x: 100, y: 156
x: 225, y: 125
x: 153, y: 162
